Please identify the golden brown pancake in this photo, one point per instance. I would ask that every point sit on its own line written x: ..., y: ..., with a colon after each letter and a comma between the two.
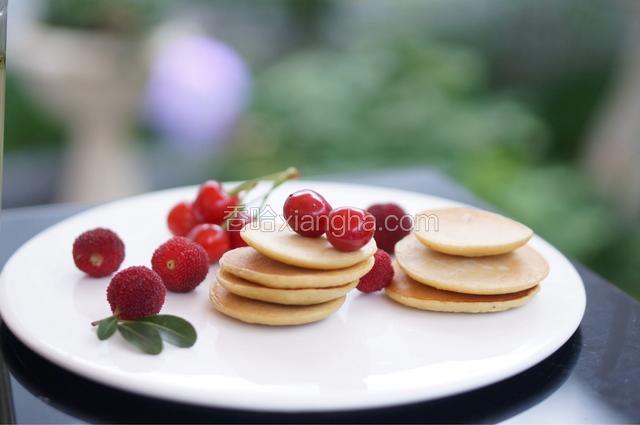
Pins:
x: 469, y: 232
x: 260, y: 312
x: 307, y: 296
x: 407, y: 291
x: 499, y: 274
x: 274, y: 239
x: 249, y: 264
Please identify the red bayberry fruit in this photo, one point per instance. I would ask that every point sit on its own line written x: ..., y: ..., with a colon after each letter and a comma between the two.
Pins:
x: 212, y: 238
x: 307, y: 213
x: 98, y: 252
x: 350, y: 228
x: 392, y: 224
x: 234, y: 225
x: 181, y: 219
x: 379, y: 276
x: 181, y: 263
x: 213, y: 204
x: 136, y: 292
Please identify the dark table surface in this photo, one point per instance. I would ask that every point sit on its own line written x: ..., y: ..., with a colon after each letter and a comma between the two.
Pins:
x: 593, y: 378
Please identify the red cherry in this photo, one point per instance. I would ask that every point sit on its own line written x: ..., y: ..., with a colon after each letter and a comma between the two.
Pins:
x: 181, y: 219
x: 307, y: 213
x: 213, y: 204
x: 212, y: 238
x: 350, y: 228
x: 234, y: 225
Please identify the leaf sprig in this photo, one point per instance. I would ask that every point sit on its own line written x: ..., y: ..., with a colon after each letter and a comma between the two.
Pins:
x: 147, y: 333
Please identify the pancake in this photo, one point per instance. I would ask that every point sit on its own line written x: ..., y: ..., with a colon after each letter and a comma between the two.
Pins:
x: 499, y: 274
x: 259, y: 312
x: 308, y: 296
x: 249, y: 264
x: 407, y: 291
x: 274, y: 239
x: 469, y: 232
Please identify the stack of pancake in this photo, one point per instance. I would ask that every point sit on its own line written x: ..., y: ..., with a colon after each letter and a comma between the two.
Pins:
x: 282, y: 278
x: 466, y: 260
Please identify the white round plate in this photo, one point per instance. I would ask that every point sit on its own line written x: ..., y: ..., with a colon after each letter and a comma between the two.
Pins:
x: 371, y: 353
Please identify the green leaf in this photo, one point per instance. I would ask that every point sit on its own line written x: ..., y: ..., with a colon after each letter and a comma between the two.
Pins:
x: 107, y: 327
x: 145, y: 337
x: 175, y: 330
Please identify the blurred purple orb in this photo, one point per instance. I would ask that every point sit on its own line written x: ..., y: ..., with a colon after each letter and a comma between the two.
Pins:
x: 197, y: 90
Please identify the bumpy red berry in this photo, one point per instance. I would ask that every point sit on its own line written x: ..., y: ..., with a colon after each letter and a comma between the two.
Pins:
x: 181, y: 263
x: 136, y: 292
x: 307, y: 213
x: 392, y: 224
x: 379, y: 276
x: 235, y: 223
x: 350, y: 228
x: 98, y: 252
x: 181, y: 219
x: 213, y: 204
x: 213, y: 238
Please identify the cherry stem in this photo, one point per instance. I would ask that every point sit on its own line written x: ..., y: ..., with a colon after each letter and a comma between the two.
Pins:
x: 281, y: 176
x: 288, y: 174
x: 277, y: 179
x: 243, y: 187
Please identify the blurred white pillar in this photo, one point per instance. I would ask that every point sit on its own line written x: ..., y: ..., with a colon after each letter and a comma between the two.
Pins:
x: 92, y: 81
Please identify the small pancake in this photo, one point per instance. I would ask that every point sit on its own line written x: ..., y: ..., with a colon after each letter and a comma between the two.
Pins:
x: 308, y: 296
x: 274, y: 239
x: 407, y: 291
x: 249, y: 264
x: 469, y: 232
x: 260, y: 312
x: 498, y: 274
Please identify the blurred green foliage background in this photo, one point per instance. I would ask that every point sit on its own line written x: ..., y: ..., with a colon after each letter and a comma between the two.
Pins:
x: 395, y: 102
x: 343, y: 97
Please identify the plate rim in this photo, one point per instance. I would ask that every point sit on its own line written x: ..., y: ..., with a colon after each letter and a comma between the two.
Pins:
x: 232, y: 400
